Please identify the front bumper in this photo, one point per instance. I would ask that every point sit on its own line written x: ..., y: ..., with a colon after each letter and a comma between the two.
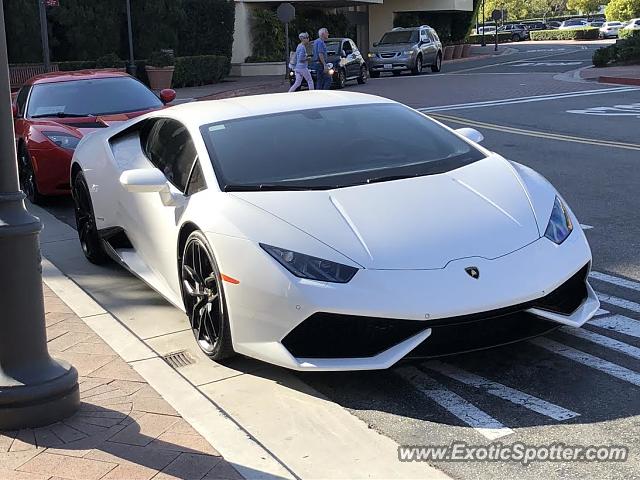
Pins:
x: 51, y: 167
x: 381, y: 316
x: 390, y: 64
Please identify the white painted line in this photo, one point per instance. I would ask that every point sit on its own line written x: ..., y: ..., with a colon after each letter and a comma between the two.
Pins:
x: 537, y: 98
x: 619, y: 324
x: 512, y: 395
x: 619, y: 302
x: 604, y: 341
x: 477, y: 419
x: 602, y: 311
x: 619, y: 281
x: 546, y: 64
x: 225, y: 435
x: 588, y: 360
x: 585, y: 226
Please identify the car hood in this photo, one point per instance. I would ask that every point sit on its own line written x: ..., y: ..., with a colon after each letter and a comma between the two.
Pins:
x: 480, y: 210
x: 80, y: 126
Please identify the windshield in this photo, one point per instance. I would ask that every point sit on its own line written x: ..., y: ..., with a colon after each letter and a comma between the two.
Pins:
x: 333, y: 48
x: 331, y: 148
x: 99, y: 96
x: 400, y: 36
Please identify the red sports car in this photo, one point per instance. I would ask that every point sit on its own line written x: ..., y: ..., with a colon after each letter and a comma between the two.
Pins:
x: 53, y: 111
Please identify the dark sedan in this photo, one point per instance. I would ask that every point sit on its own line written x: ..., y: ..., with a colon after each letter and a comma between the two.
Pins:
x: 348, y: 63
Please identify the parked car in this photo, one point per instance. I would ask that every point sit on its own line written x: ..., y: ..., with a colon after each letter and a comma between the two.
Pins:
x: 532, y: 26
x: 634, y: 24
x: 406, y: 49
x: 517, y: 30
x: 610, y: 29
x: 573, y: 24
x: 53, y: 111
x: 277, y: 255
x: 553, y: 25
x: 488, y: 30
x: 346, y: 59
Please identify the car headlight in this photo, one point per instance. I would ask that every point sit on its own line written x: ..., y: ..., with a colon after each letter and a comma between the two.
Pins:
x: 560, y: 225
x: 63, y: 140
x: 408, y: 52
x: 313, y: 268
x: 371, y: 55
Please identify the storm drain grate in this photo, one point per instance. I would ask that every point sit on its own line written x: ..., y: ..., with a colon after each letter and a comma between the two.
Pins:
x: 179, y: 359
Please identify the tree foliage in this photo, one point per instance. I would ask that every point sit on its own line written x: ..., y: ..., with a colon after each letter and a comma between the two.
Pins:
x: 622, y: 10
x: 585, y: 6
x: 23, y: 30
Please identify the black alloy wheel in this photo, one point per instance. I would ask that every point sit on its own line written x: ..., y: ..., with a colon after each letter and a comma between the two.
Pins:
x: 364, y: 75
x: 203, y: 298
x: 86, y: 222
x: 27, y: 177
x: 341, y: 81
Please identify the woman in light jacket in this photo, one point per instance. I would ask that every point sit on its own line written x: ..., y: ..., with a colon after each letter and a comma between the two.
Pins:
x: 301, y: 67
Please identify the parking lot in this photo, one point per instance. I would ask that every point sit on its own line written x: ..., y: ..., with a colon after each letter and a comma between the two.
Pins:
x: 578, y: 387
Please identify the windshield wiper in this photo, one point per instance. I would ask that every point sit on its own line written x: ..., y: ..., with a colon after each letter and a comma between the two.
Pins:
x: 264, y: 187
x: 62, y: 115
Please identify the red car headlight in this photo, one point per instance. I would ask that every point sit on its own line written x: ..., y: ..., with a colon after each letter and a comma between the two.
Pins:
x: 63, y: 140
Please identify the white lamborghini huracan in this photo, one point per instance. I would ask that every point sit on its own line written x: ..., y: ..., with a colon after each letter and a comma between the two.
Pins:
x: 326, y: 230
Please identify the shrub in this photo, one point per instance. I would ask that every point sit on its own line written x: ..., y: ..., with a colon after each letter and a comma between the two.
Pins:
x: 110, y: 60
x: 588, y: 33
x: 76, y: 65
x: 267, y: 36
x: 489, y: 38
x: 160, y: 59
x: 199, y: 70
x: 625, y: 34
x: 601, y: 57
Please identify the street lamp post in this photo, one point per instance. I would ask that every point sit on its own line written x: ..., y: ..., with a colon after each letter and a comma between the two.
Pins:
x: 131, y: 68
x: 483, y: 43
x: 44, y: 33
x: 34, y: 388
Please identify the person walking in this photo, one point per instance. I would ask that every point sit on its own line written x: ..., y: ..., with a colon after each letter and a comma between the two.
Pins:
x: 323, y: 80
x: 301, y: 66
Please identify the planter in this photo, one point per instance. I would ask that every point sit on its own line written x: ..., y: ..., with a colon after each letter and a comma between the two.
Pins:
x: 448, y: 52
x: 159, y: 77
x: 257, y: 69
x: 457, y: 52
x: 466, y: 50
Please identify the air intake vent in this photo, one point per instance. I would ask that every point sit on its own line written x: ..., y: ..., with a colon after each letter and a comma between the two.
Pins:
x: 179, y: 359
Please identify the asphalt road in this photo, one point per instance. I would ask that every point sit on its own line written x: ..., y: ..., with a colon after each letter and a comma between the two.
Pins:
x: 578, y: 390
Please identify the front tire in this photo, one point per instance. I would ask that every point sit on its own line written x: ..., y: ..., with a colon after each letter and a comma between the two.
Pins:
x: 341, y: 81
x: 203, y: 297
x: 417, y: 68
x: 364, y: 75
x: 27, y: 177
x: 86, y: 222
x: 436, y: 67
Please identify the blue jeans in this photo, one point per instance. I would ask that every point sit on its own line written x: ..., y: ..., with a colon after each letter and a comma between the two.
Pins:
x: 323, y: 81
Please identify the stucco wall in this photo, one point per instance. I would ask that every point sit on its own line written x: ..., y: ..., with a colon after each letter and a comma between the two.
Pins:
x: 381, y: 16
x: 242, y: 33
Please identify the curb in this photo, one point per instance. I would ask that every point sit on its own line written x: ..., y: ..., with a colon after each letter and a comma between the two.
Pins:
x: 620, y: 80
x: 238, y: 92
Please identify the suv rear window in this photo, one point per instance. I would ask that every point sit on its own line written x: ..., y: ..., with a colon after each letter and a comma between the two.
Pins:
x: 400, y: 36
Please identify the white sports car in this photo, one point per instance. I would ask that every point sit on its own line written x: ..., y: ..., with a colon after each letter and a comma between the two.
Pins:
x: 327, y: 230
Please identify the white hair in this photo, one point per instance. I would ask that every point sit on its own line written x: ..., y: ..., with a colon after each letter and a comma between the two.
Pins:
x: 322, y: 30
x: 303, y: 35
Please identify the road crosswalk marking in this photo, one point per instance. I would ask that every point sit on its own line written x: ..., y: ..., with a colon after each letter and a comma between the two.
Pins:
x: 621, y: 282
x: 619, y: 302
x: 618, y: 323
x: 479, y: 420
x: 588, y: 360
x: 502, y: 391
x: 605, y: 341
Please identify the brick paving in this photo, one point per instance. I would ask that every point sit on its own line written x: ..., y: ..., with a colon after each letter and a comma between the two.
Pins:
x: 624, y: 74
x: 124, y: 430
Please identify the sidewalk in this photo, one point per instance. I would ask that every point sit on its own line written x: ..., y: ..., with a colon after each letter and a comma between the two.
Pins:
x: 124, y: 429
x: 624, y: 75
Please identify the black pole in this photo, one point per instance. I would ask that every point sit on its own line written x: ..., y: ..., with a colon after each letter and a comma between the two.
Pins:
x: 286, y: 49
x: 44, y: 33
x: 35, y: 390
x: 483, y: 43
x: 131, y: 68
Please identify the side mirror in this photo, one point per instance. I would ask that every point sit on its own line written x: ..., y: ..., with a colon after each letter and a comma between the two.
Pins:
x: 14, y: 110
x: 167, y: 95
x: 470, y: 134
x: 375, y: 44
x: 144, y: 180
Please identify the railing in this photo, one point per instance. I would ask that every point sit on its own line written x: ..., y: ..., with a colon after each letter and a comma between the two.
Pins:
x: 19, y: 74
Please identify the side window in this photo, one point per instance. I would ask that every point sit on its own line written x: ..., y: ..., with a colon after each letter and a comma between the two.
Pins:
x: 169, y: 148
x: 353, y: 46
x: 434, y: 36
x: 346, y: 46
x: 424, y: 37
x: 196, y: 180
x: 21, y: 100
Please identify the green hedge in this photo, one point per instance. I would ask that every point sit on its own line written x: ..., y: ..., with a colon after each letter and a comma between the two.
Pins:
x: 624, y: 51
x: 623, y: 33
x: 489, y: 38
x: 589, y: 33
x: 199, y: 70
